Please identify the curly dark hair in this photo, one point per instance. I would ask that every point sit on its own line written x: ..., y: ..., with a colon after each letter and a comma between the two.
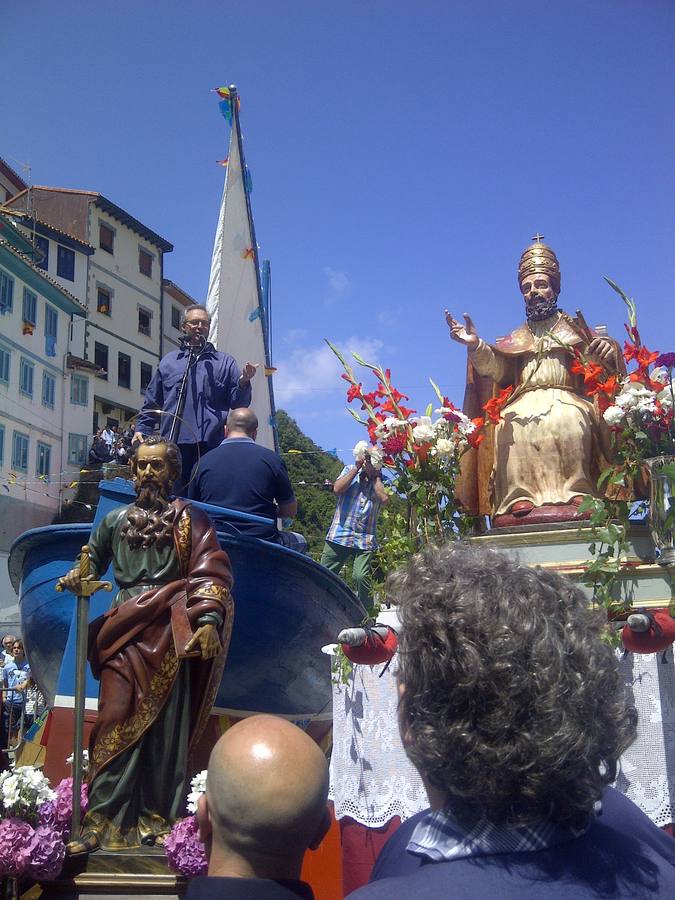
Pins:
x: 513, y: 705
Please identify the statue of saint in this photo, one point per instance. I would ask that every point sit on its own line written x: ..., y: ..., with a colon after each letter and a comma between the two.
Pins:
x: 547, y: 452
x: 158, y: 653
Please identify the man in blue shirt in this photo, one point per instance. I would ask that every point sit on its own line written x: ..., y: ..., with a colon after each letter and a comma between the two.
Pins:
x: 240, y: 474
x: 215, y: 385
x: 351, y: 536
x: 512, y: 709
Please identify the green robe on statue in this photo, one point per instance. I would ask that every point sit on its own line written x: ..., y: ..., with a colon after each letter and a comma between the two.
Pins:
x: 153, y: 704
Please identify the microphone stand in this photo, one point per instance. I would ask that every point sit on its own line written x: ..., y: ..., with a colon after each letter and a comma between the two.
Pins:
x: 194, y: 354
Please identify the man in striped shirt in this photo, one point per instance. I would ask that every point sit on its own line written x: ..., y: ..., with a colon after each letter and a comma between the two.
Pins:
x: 351, y: 536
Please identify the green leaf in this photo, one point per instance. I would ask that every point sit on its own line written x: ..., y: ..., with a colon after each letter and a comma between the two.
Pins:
x: 362, y: 362
x: 587, y: 503
x: 430, y: 408
x: 630, y: 303
x: 356, y: 415
x: 604, y: 475
x: 436, y: 389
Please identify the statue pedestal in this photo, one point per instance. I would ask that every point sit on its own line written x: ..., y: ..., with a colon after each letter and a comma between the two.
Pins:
x: 141, y: 873
x: 564, y: 548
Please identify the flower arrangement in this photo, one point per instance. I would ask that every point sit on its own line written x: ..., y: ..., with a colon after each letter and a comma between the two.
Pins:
x: 423, y: 453
x: 31, y: 837
x: 639, y: 409
x: 184, y: 851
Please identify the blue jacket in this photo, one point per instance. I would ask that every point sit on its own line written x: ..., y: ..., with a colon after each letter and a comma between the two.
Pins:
x: 622, y: 856
x: 212, y: 391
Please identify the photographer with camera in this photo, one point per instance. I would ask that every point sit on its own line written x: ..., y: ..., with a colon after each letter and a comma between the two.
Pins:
x: 351, y: 536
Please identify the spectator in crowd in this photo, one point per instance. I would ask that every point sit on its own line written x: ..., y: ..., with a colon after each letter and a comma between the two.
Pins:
x: 351, y: 536
x: 265, y: 804
x: 15, y: 677
x: 214, y: 386
x: 512, y: 709
x: 6, y: 653
x: 99, y: 451
x: 108, y: 435
x: 242, y: 475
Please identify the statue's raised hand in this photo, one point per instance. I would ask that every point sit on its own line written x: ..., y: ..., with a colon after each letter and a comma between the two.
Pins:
x: 463, y: 334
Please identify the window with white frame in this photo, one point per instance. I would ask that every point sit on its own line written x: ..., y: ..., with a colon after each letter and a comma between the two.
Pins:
x: 20, y: 452
x: 77, y: 449
x: 48, y: 389
x: 144, y: 321
x: 43, y: 459
x: 79, y: 390
x: 4, y: 366
x: 6, y: 292
x: 26, y: 370
x: 29, y: 307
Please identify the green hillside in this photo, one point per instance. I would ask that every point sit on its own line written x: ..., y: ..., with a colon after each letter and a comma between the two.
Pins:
x: 316, y: 502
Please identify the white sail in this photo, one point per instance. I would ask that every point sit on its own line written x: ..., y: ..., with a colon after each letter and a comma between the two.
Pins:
x: 235, y: 299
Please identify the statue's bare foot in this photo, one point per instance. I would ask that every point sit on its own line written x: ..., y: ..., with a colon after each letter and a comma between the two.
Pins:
x: 160, y: 840
x: 521, y: 508
x: 578, y: 499
x: 87, y: 843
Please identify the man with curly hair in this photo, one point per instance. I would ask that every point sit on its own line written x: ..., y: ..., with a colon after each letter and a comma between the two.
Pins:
x: 512, y: 709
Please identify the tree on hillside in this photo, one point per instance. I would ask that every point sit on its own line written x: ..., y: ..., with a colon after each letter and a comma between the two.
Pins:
x: 309, y: 471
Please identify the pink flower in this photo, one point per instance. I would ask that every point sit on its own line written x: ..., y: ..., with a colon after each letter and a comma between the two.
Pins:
x: 184, y: 851
x: 15, y: 838
x: 666, y: 359
x: 46, y: 853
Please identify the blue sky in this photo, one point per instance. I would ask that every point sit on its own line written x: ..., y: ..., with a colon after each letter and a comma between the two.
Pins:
x: 402, y: 156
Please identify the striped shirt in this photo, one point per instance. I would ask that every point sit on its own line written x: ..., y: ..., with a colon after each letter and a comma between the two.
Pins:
x: 355, y: 518
x: 440, y: 837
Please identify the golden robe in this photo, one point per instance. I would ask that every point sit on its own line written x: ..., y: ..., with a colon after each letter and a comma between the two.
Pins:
x: 551, y: 444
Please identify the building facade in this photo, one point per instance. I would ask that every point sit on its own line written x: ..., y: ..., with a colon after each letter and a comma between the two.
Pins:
x: 175, y: 302
x: 46, y: 401
x: 122, y: 335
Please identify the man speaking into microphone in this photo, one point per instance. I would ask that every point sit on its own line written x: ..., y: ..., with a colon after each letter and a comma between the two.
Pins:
x: 213, y: 386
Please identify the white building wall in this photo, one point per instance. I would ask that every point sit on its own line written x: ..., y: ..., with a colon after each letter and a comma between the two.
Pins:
x: 131, y: 290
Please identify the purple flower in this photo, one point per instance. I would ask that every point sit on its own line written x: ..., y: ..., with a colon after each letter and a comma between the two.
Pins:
x: 46, y: 853
x: 15, y: 838
x: 184, y: 851
x: 666, y: 359
x: 47, y: 814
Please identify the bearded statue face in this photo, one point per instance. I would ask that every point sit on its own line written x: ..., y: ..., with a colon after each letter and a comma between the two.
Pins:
x: 150, y: 519
x: 541, y: 296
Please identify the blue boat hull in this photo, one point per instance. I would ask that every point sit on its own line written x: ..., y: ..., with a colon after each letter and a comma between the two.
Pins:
x: 286, y: 608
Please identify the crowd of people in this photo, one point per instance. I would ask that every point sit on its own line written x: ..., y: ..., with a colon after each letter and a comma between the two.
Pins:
x: 111, y: 444
x: 19, y: 695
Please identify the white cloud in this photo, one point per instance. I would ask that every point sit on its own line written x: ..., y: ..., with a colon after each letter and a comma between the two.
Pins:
x: 293, y: 335
x: 314, y: 372
x: 337, y: 280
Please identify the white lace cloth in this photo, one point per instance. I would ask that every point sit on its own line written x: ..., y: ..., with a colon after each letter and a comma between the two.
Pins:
x: 647, y: 773
x: 371, y: 778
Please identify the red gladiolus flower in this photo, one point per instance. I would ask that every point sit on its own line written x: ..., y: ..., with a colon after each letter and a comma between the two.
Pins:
x: 494, y: 407
x: 475, y: 438
x: 591, y: 371
x: 422, y: 451
x: 608, y: 387
x: 370, y: 399
x: 346, y: 377
x: 405, y: 412
x: 410, y: 463
x: 629, y: 351
x: 354, y: 392
x: 644, y: 358
x: 633, y: 334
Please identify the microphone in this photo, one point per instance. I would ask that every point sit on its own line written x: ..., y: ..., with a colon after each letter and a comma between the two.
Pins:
x: 356, y: 637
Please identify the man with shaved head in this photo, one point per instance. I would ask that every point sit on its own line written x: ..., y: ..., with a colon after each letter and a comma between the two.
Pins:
x: 265, y: 804
x: 242, y: 475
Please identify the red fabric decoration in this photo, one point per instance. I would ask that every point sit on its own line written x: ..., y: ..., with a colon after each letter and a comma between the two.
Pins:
x: 654, y: 640
x: 375, y: 650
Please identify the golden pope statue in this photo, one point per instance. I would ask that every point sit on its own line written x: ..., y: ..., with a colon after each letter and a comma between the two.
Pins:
x: 547, y: 452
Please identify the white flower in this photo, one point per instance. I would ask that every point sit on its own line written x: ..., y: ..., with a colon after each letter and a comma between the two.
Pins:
x: 665, y: 396
x: 635, y: 396
x: 360, y: 451
x: 614, y: 415
x: 660, y: 374
x: 444, y: 447
x: 424, y: 431
x: 388, y: 426
x: 376, y: 458
x: 198, y: 786
x: 85, y: 760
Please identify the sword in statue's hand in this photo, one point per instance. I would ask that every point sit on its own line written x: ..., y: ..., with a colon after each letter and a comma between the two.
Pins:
x: 80, y: 582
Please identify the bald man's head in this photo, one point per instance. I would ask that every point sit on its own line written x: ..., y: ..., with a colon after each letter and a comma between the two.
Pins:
x: 266, y: 791
x: 242, y: 420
